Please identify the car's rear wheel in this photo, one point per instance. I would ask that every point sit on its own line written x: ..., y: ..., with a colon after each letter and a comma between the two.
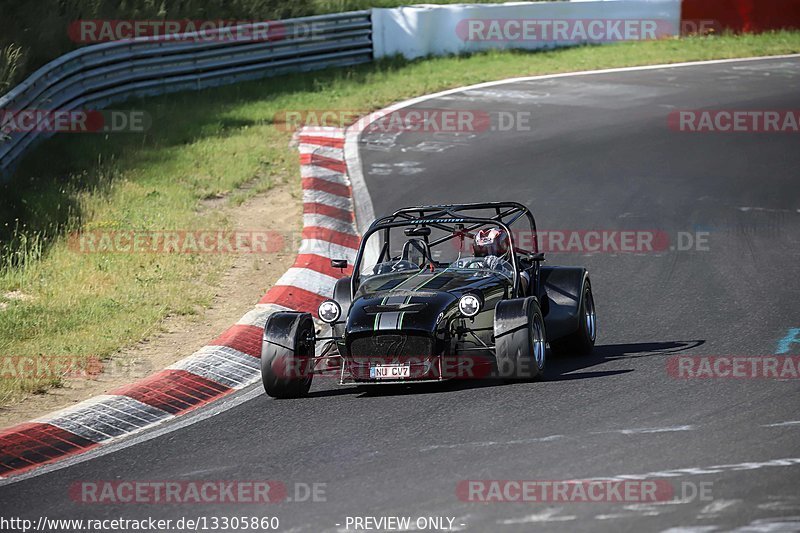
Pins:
x: 520, y: 339
x: 581, y: 342
x: 287, y: 354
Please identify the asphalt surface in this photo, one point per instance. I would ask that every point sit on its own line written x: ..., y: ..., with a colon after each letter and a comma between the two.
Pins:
x: 598, y: 155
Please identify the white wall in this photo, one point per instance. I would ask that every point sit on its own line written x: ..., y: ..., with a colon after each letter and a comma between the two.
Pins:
x: 422, y: 30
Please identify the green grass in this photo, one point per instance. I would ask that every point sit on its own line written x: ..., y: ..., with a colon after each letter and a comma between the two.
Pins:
x: 202, y: 145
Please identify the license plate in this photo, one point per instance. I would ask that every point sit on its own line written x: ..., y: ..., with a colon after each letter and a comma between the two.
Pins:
x: 389, y: 371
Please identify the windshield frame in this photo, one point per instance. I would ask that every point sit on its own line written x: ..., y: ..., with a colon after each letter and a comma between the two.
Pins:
x: 448, y: 218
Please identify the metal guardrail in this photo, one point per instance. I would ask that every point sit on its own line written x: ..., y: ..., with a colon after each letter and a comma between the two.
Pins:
x: 97, y: 75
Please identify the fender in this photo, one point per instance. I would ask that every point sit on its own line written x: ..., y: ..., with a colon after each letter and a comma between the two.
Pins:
x: 341, y: 294
x: 562, y: 288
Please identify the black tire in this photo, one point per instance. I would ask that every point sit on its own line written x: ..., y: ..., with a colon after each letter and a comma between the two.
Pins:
x: 581, y: 342
x: 520, y: 340
x: 287, y: 353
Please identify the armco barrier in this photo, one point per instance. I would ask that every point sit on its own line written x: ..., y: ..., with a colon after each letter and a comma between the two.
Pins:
x: 231, y: 361
x: 741, y: 15
x: 97, y: 75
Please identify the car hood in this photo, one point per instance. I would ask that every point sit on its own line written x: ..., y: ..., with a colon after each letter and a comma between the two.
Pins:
x: 382, y: 304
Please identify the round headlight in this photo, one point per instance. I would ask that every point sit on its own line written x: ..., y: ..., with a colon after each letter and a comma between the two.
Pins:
x: 469, y: 305
x: 329, y: 311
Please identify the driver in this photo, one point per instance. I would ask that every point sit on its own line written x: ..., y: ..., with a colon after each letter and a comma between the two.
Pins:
x: 492, y: 245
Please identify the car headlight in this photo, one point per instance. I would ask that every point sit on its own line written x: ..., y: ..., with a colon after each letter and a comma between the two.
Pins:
x: 469, y: 305
x: 329, y: 311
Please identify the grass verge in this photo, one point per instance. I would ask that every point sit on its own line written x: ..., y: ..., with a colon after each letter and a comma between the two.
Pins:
x: 205, y: 149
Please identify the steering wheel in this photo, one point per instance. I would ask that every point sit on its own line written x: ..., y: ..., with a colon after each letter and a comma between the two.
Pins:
x: 471, y: 262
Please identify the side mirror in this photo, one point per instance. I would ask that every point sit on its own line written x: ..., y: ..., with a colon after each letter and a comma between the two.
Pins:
x: 339, y: 263
x: 537, y: 256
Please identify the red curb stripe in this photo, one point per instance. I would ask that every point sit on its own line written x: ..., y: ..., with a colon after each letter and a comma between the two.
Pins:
x: 294, y: 298
x: 33, y: 444
x: 332, y: 142
x: 243, y: 338
x: 331, y: 187
x: 335, y: 237
x: 317, y: 160
x: 321, y: 264
x: 174, y: 391
x: 344, y: 215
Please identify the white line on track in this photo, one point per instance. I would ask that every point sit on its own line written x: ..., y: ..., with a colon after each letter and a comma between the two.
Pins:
x: 783, y: 424
x: 483, y: 444
x: 551, y: 514
x: 636, y: 431
x: 714, y: 469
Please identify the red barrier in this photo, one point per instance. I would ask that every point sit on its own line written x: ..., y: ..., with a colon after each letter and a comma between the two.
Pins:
x: 699, y: 16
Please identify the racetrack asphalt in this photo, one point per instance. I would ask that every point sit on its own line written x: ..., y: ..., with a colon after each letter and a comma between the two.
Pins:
x: 598, y: 155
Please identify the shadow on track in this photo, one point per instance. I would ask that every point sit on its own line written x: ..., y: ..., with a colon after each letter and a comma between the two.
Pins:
x: 560, y: 368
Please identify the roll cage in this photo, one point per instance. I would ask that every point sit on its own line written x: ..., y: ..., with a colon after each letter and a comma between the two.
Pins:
x: 459, y: 223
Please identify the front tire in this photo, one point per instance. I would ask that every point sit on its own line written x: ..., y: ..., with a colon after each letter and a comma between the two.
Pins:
x: 581, y: 342
x: 520, y: 339
x: 287, y: 353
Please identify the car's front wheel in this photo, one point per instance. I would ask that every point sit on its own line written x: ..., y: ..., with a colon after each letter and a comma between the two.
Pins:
x: 287, y: 354
x: 520, y: 339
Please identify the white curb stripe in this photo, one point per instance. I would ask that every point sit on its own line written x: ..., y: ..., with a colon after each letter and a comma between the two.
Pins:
x: 259, y: 315
x: 222, y: 364
x: 308, y: 280
x: 325, y: 151
x: 314, y: 196
x: 330, y: 132
x: 328, y: 249
x: 107, y: 417
x: 322, y: 221
x: 312, y: 171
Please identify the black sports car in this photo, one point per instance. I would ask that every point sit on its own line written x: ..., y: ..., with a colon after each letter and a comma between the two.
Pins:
x: 452, y: 295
